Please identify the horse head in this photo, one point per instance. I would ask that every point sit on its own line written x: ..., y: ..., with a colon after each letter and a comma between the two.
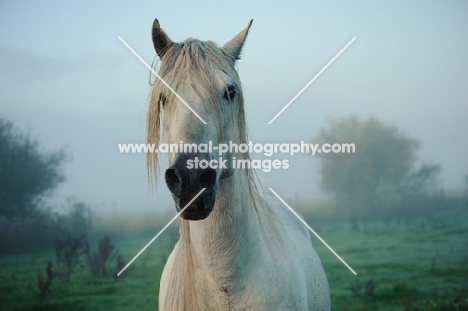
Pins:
x: 198, y: 84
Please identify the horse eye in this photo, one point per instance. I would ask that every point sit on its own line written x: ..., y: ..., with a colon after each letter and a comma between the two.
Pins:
x: 230, y: 93
x: 162, y: 99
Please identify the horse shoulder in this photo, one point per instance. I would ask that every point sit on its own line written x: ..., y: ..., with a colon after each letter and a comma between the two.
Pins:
x: 305, y: 265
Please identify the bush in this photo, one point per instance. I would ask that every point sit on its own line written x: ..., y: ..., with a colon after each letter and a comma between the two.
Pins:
x: 97, y: 261
x: 68, y: 252
x: 39, y: 231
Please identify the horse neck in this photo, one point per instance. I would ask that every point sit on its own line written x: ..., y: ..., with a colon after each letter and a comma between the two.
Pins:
x: 231, y: 236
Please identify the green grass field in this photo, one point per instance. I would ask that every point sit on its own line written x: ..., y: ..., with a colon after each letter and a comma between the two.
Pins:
x: 422, y: 265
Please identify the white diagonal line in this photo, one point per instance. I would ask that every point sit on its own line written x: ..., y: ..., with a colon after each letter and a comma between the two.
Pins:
x: 315, y: 233
x: 159, y: 233
x: 162, y: 80
x: 313, y: 79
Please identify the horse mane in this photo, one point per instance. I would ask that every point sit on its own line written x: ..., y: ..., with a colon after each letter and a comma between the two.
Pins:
x: 196, y: 61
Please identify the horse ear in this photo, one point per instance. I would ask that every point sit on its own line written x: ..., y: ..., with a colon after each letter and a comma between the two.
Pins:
x: 161, y: 41
x: 234, y: 46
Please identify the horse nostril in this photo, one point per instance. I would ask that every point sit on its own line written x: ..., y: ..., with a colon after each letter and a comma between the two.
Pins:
x: 173, y: 181
x: 207, y: 178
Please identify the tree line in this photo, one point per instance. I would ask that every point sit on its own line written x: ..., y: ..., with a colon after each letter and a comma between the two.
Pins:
x: 384, y: 177
x: 28, y: 177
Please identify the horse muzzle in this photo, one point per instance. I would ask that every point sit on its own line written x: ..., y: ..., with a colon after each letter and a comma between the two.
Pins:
x: 185, y: 183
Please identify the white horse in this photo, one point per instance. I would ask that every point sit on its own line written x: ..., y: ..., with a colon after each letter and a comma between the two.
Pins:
x: 235, y: 251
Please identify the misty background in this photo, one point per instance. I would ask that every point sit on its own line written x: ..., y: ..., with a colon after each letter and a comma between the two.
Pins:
x: 68, y: 80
